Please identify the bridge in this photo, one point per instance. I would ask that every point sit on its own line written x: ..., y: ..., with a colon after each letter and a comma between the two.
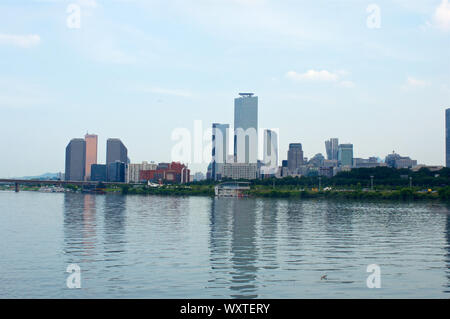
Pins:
x: 18, y: 182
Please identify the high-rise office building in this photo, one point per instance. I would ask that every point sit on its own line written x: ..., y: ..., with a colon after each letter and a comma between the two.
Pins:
x: 345, y: 154
x: 220, y: 142
x: 116, y: 151
x: 270, y: 157
x: 332, y: 148
x: 75, y: 160
x: 246, y: 128
x: 447, y: 137
x: 295, y: 156
x: 91, y: 152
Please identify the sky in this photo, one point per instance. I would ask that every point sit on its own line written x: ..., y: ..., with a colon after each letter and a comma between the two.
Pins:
x: 372, y: 73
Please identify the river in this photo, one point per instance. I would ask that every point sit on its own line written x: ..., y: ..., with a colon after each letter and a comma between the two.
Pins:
x: 199, y: 247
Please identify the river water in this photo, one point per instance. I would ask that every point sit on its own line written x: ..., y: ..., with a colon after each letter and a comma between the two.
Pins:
x: 201, y: 247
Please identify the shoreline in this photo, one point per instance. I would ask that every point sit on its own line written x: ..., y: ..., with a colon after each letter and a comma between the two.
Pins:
x: 403, y: 195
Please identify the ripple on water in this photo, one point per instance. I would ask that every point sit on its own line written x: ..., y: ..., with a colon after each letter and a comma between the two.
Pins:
x: 199, y: 247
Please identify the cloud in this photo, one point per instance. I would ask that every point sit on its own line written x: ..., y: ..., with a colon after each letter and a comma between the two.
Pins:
x: 312, y: 75
x: 23, y: 41
x: 441, y: 16
x: 322, y: 76
x: 415, y: 83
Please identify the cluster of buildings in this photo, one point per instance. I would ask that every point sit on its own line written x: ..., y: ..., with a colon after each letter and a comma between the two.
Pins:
x: 339, y: 158
x: 243, y: 163
x: 81, y: 160
x: 81, y: 164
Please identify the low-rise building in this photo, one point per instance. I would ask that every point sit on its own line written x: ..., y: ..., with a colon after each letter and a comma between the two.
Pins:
x: 199, y: 176
x: 396, y: 161
x: 98, y: 173
x: 330, y: 163
x: 367, y: 162
x: 432, y: 168
x: 317, y: 160
x: 405, y: 163
x: 326, y: 171
x: 232, y: 189
x: 134, y: 170
x: 240, y: 170
x: 174, y: 172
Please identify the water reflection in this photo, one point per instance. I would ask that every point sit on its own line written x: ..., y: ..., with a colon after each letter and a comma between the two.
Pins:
x: 79, y: 227
x: 114, y: 219
x: 269, y: 233
x: 244, y: 252
x: 219, y: 242
x: 447, y: 255
x: 114, y: 242
x: 294, y: 222
x: 233, y: 234
x: 340, y: 240
x: 249, y: 248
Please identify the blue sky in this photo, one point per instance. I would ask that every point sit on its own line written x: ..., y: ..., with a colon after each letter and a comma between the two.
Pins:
x: 137, y: 70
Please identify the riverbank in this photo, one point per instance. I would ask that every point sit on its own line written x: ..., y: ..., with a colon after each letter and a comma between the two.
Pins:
x: 258, y: 191
x: 279, y: 192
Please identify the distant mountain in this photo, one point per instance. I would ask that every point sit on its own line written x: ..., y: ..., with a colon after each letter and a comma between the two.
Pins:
x: 46, y: 176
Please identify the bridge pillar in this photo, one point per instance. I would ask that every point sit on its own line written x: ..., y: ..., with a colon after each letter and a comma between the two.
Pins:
x: 17, y: 187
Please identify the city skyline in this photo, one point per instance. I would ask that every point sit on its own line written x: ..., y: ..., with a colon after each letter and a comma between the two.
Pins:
x: 246, y: 117
x: 381, y: 89
x: 81, y: 154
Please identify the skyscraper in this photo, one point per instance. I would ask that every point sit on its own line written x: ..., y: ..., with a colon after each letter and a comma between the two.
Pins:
x: 447, y: 137
x: 75, y: 160
x: 345, y: 154
x: 91, y: 152
x: 220, y: 144
x: 295, y: 156
x: 116, y: 151
x: 246, y: 128
x: 270, y: 149
x: 332, y: 147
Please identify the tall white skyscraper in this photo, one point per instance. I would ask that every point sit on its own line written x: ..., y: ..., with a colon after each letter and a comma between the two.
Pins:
x: 219, y: 149
x: 270, y: 149
x: 246, y: 128
x: 270, y: 157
